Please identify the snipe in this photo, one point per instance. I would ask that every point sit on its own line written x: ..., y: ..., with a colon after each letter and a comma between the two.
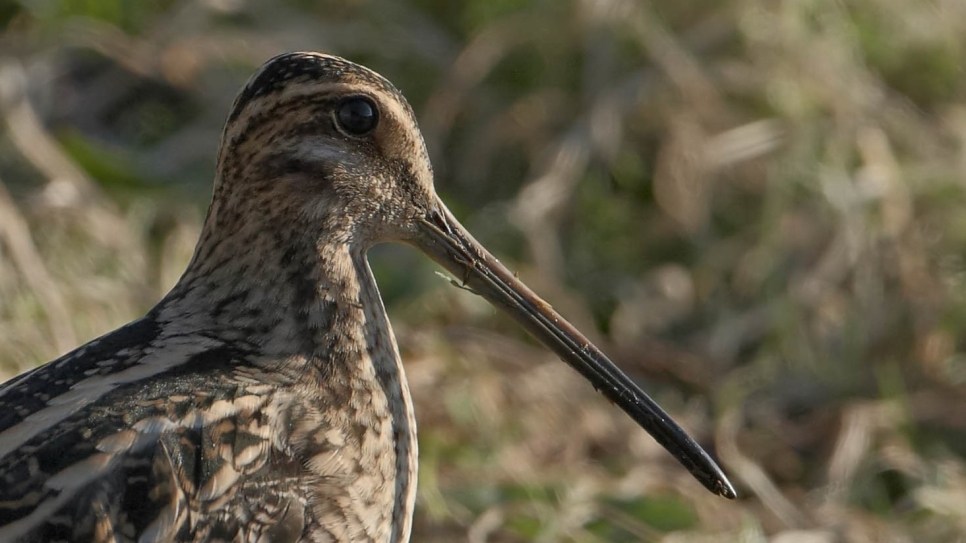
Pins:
x: 263, y: 399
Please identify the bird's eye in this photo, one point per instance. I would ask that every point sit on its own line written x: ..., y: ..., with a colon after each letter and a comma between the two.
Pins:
x: 357, y: 116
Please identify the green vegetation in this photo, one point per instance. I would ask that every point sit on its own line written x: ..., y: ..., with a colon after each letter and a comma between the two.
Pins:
x: 758, y: 208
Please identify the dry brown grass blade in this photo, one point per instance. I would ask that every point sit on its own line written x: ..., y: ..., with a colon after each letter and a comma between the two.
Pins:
x: 68, y: 186
x: 15, y: 234
x: 752, y: 475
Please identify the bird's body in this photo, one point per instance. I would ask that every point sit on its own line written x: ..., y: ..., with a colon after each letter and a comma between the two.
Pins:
x: 264, y: 399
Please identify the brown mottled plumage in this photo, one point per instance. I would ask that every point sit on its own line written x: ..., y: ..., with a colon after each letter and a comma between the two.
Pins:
x: 263, y: 399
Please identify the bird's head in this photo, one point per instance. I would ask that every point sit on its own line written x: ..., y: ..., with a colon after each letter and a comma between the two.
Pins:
x: 320, y: 152
x: 327, y: 143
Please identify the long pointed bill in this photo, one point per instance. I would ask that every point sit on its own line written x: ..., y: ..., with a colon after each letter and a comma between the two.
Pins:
x: 449, y: 244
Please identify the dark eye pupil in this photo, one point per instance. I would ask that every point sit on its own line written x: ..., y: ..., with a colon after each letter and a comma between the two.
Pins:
x: 357, y: 116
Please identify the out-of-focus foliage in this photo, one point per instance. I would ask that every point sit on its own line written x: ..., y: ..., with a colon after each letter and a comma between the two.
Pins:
x: 757, y: 207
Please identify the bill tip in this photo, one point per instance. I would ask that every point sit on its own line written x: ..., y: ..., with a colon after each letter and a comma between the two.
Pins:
x: 724, y: 488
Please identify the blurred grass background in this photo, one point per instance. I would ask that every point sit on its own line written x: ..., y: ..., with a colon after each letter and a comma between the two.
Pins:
x: 756, y: 207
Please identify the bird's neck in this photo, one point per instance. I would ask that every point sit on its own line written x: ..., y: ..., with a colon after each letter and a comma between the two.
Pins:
x: 311, y: 307
x: 284, y: 296
x: 249, y: 283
